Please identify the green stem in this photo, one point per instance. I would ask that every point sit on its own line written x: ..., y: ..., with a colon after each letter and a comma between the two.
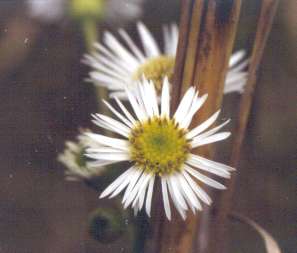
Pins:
x: 89, y: 27
x: 91, y: 35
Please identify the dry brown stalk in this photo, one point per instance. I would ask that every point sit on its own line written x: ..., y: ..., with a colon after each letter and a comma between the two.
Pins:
x: 207, y: 31
x: 267, y: 12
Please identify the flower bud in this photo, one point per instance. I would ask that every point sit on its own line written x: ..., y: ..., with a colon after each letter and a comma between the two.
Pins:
x: 106, y: 224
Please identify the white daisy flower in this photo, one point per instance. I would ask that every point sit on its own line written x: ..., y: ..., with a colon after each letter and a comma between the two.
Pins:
x: 116, y: 66
x: 112, y: 11
x: 159, y: 146
x: 74, y: 160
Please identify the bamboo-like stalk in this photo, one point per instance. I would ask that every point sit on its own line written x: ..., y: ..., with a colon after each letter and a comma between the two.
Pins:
x: 207, y: 31
x: 267, y: 13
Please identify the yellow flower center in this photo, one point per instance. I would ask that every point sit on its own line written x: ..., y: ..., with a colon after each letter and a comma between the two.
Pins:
x: 159, y: 146
x: 156, y: 69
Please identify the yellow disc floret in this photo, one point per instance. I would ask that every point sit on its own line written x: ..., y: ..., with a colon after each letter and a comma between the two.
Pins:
x: 156, y: 69
x: 159, y: 146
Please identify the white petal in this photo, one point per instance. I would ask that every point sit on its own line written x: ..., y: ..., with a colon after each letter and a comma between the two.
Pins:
x: 205, y: 179
x: 165, y: 198
x: 119, y: 94
x: 196, y: 105
x: 214, y: 170
x: 165, y: 99
x: 125, y: 111
x: 120, y: 116
x: 119, y: 157
x: 176, y: 191
x: 135, y: 210
x: 135, y: 106
x: 132, y: 45
x: 122, y: 52
x: 108, y: 71
x: 133, y: 180
x: 175, y: 201
x: 99, y: 163
x: 235, y: 77
x: 141, y: 199
x: 150, y: 45
x: 108, y: 141
x: 142, y: 95
x: 113, y: 186
x: 201, y: 194
x: 184, y: 105
x: 235, y: 86
x: 113, y: 57
x: 107, y: 80
x: 154, y: 98
x: 236, y: 57
x: 213, y: 130
x: 122, y: 185
x: 214, y: 164
x: 203, y: 126
x: 239, y: 68
x: 142, y: 190
x: 111, y: 124
x: 98, y: 59
x: 189, y: 195
x: 137, y: 189
x: 167, y: 40
x: 197, y: 142
x: 149, y: 196
x: 170, y: 34
x: 174, y: 38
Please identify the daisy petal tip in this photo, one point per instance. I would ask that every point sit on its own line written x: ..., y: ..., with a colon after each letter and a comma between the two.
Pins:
x: 102, y: 195
x: 205, y: 96
x: 209, y: 203
x: 232, y: 169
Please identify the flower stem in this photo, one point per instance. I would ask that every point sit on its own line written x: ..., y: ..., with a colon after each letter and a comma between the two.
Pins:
x: 90, y: 30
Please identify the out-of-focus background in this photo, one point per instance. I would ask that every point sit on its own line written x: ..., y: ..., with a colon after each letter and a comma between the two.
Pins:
x: 44, y: 100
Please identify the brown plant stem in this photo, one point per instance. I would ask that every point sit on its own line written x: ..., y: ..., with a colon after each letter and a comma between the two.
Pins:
x: 267, y: 12
x: 207, y: 31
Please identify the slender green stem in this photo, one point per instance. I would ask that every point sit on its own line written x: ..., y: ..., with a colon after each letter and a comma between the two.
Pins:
x: 89, y: 27
x: 90, y: 30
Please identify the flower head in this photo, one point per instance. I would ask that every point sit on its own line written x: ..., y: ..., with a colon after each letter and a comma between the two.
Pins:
x: 74, y: 160
x: 159, y: 145
x: 49, y: 11
x: 116, y: 66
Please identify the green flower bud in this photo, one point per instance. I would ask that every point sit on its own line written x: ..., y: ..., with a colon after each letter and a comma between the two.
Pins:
x: 86, y: 9
x: 106, y: 225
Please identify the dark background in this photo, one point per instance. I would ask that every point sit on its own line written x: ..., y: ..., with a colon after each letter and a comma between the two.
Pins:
x: 43, y: 100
